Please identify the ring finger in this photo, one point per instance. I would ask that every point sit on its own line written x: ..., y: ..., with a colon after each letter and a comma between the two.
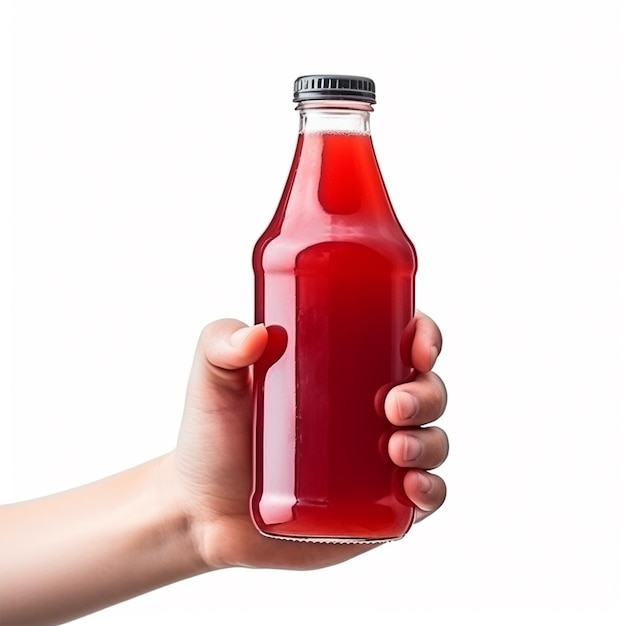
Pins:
x: 423, y: 448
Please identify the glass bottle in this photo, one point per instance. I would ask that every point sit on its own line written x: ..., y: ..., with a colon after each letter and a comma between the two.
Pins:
x: 334, y: 285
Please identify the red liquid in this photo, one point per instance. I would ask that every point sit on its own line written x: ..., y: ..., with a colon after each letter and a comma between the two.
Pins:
x: 334, y: 282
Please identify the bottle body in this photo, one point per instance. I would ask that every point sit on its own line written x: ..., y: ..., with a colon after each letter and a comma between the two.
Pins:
x: 334, y: 281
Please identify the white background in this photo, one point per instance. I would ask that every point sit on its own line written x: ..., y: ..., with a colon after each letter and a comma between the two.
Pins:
x: 146, y: 145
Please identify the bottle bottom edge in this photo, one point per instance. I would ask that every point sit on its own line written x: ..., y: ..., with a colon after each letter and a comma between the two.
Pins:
x: 332, y: 540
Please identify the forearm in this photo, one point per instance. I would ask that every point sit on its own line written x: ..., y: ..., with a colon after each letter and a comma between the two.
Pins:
x: 78, y: 551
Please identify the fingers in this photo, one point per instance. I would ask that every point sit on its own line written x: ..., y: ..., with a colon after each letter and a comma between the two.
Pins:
x: 418, y: 402
x: 421, y: 449
x: 414, y: 404
x: 421, y: 342
x: 426, y: 491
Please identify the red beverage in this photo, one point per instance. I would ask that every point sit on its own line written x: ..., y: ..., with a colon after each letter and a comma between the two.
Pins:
x: 334, y: 285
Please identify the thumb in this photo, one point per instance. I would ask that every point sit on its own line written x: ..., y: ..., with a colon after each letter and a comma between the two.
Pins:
x: 225, y: 351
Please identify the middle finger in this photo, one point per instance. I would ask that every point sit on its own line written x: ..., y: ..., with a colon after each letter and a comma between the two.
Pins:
x: 418, y: 402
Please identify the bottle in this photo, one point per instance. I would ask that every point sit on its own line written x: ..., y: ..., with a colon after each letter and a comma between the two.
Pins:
x: 334, y: 285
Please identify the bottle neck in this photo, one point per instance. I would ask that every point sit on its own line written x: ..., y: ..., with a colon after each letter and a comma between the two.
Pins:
x: 334, y: 116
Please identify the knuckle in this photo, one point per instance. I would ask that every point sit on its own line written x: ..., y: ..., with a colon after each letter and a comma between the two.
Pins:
x: 443, y: 445
x: 441, y: 396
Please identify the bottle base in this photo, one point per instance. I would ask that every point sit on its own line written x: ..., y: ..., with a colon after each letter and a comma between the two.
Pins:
x: 338, y: 525
x: 332, y: 540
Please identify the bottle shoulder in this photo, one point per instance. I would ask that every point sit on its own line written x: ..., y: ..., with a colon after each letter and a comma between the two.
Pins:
x: 334, y: 197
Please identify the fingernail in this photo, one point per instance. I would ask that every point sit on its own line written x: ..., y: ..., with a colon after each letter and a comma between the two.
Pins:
x: 407, y: 405
x: 424, y: 482
x: 412, y: 448
x: 239, y: 336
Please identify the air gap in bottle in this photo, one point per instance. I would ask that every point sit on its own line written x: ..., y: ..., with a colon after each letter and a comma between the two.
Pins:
x: 334, y: 281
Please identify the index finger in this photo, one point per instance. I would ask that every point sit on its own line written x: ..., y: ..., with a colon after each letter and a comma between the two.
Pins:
x: 421, y: 342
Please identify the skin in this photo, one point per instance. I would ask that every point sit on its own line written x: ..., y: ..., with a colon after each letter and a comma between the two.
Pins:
x: 187, y: 512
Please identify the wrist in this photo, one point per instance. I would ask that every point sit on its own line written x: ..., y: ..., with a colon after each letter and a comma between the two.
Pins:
x: 174, y: 522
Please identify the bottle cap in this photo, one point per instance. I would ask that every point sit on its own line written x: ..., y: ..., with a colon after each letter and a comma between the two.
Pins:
x: 334, y: 87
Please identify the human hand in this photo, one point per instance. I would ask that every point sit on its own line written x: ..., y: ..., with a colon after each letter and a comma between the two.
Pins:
x: 210, y: 470
x: 71, y: 553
